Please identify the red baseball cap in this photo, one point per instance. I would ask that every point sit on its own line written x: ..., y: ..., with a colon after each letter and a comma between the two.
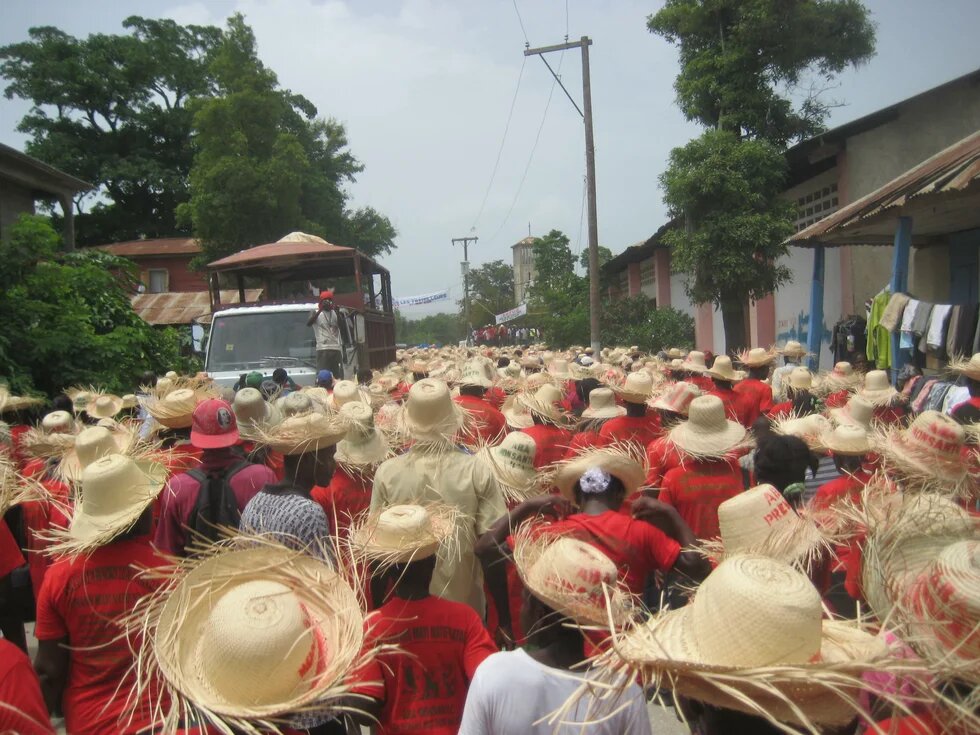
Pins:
x: 328, y: 294
x: 213, y: 425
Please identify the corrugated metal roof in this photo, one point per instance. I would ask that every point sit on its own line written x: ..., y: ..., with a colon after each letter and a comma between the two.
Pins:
x: 180, y: 307
x: 949, y: 172
x: 276, y: 251
x: 156, y: 246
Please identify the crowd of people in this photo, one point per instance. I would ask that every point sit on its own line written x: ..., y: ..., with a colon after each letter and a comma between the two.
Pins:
x: 499, y: 335
x: 495, y: 540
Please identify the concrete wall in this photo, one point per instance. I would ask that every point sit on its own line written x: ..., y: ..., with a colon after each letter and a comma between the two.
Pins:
x: 523, y: 261
x: 929, y: 273
x: 14, y: 201
x: 792, y: 301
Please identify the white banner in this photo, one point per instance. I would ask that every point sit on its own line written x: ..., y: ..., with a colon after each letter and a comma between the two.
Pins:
x: 512, y: 314
x: 427, y: 298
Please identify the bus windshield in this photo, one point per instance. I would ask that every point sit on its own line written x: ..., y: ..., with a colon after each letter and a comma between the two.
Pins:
x: 243, y: 342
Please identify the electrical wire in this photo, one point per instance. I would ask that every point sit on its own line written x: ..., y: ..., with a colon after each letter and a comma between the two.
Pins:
x: 566, y: 21
x: 581, y: 218
x: 500, y: 150
x: 521, y: 21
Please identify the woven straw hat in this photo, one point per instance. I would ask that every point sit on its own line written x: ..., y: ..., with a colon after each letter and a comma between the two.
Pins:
x: 723, y: 370
x: 129, y: 400
x: 810, y: 429
x: 418, y: 366
x: 800, y: 379
x: 512, y: 371
x: 637, y: 388
x: 624, y: 464
x: 877, y: 390
x: 403, y: 533
x: 516, y: 414
x: 792, y: 349
x: 80, y: 399
x: 298, y: 404
x: 92, y: 444
x: 15, y: 489
x: 559, y: 369
x: 846, y: 440
x: 781, y: 660
x: 544, y: 402
x: 58, y: 422
x: 760, y: 520
x: 707, y: 431
x: 253, y: 411
x: 345, y: 391
x: 675, y: 353
x: 677, y: 398
x: 929, y: 449
x: 320, y: 400
x: 302, y: 433
x: 695, y: 362
x: 250, y: 632
x: 857, y: 412
x: 512, y: 464
x: 570, y: 576
x: 970, y: 368
x: 362, y: 445
x: 429, y: 414
x: 115, y: 490
x: 602, y: 405
x: 757, y: 357
x: 475, y: 373
x: 12, y: 403
x: 104, y: 406
x: 175, y: 410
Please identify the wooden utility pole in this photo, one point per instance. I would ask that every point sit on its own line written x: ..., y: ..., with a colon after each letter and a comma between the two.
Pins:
x: 466, y: 277
x: 595, y: 303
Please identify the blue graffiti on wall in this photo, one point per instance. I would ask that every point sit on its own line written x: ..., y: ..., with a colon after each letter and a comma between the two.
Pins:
x: 800, y: 332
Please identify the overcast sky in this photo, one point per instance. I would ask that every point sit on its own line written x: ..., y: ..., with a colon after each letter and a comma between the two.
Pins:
x: 424, y: 88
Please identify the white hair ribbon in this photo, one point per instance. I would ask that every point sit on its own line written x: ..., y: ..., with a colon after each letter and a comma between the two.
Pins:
x: 595, y: 481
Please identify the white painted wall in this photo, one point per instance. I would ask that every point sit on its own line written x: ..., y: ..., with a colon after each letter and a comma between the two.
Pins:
x: 793, y: 300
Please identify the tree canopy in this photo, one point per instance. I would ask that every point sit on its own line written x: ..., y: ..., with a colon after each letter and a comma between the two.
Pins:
x: 491, y: 292
x: 443, y: 329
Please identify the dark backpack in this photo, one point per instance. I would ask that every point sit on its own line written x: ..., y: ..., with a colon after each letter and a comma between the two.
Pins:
x: 216, y: 504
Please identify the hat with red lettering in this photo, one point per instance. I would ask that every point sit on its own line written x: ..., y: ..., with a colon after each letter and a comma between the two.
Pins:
x: 213, y: 425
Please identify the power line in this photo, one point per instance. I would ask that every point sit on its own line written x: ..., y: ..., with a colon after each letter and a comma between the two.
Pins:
x: 581, y: 219
x: 521, y: 21
x: 500, y: 150
x: 566, y: 20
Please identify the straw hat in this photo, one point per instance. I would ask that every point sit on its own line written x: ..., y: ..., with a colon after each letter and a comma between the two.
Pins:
x: 475, y: 373
x: 129, y: 400
x: 877, y: 390
x: 757, y: 357
x: 58, y: 422
x: 602, y: 405
x: 302, y: 433
x: 930, y: 449
x: 707, y: 432
x: 675, y: 353
x: 847, y: 440
x: 559, y: 369
x: 418, y: 366
x: 810, y: 429
x: 429, y: 414
x: 516, y: 414
x: 15, y: 489
x: 723, y: 370
x: 252, y: 411
x: 800, y: 379
x: 857, y: 412
x: 570, y: 576
x: 624, y: 464
x: 970, y: 368
x: 792, y: 349
x: 13, y: 403
x: 92, y: 444
x: 250, y: 632
x: 760, y: 521
x: 694, y: 362
x: 780, y: 659
x: 345, y: 391
x: 511, y: 371
x: 637, y: 388
x: 544, y: 402
x: 175, y: 410
x: 403, y: 533
x: 362, y: 445
x: 80, y: 399
x: 104, y: 407
x: 512, y: 464
x: 297, y: 404
x: 677, y: 398
x: 115, y: 491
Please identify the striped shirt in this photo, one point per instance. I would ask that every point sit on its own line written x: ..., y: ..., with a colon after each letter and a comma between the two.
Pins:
x: 297, y: 521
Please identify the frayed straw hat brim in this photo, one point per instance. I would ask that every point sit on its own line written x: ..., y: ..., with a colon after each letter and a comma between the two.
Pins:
x: 800, y: 544
x: 968, y: 367
x: 69, y: 469
x: 373, y: 452
x: 606, y: 412
x: 878, y: 398
x: 366, y: 543
x: 896, y: 454
x: 696, y: 443
x: 515, y: 486
x: 621, y: 461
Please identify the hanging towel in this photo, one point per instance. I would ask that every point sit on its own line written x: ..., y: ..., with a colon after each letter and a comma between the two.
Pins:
x: 893, y: 312
x: 920, y: 322
x: 936, y: 338
x: 908, y: 314
x: 879, y: 341
x: 962, y: 341
x: 954, y: 318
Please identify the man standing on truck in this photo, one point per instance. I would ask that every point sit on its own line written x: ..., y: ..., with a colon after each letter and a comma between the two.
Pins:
x: 326, y: 326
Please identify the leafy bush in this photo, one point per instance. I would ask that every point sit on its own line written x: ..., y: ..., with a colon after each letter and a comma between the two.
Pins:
x: 635, y: 321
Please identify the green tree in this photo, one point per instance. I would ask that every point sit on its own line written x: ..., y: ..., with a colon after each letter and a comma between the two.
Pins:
x: 68, y: 318
x: 433, y: 329
x: 491, y: 292
x: 558, y: 302
x: 112, y: 110
x: 744, y: 64
x: 265, y: 165
x: 636, y: 321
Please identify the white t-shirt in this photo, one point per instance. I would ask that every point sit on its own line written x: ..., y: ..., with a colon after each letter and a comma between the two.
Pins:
x: 511, y: 692
x: 327, y: 331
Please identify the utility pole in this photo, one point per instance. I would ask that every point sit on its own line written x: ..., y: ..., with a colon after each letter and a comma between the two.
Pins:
x: 466, y: 278
x: 595, y: 303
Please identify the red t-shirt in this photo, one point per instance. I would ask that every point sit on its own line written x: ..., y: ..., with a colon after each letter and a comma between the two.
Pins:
x: 780, y: 410
x: 662, y: 456
x: 698, y: 488
x: 704, y: 382
x: 584, y: 440
x: 16, y: 436
x: 495, y: 397
x: 922, y: 724
x: 489, y: 425
x: 845, y: 487
x: 757, y: 397
x: 552, y: 443
x: 639, y: 429
x: 81, y: 598
x: 39, y: 517
x: 10, y: 556
x: 636, y: 547
x: 424, y: 685
x: 889, y: 415
x: 346, y: 497
x: 838, y: 399
x: 19, y: 687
